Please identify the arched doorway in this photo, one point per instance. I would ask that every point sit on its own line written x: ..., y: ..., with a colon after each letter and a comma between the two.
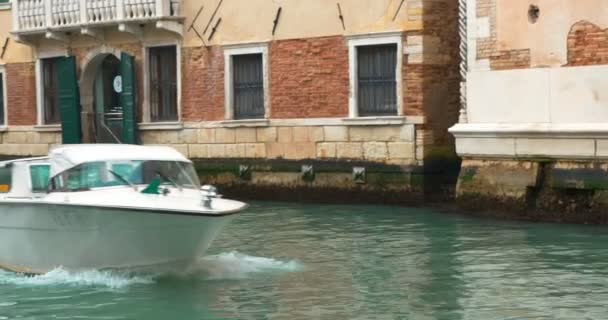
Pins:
x: 108, y: 111
x: 107, y: 96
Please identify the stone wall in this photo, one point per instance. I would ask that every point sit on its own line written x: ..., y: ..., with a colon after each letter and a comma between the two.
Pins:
x: 386, y: 144
x: 570, y: 191
x: 27, y: 141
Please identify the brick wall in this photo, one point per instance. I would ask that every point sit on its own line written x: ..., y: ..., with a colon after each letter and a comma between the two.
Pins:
x: 202, y: 84
x: 21, y: 93
x: 432, y: 83
x: 587, y: 45
x: 309, y: 78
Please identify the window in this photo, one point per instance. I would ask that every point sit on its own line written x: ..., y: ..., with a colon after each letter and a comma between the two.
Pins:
x: 246, y: 82
x: 50, y: 103
x: 6, y: 178
x: 125, y: 173
x: 39, y: 177
x: 377, y: 81
x: 163, y: 83
x: 248, y: 86
x: 376, y: 63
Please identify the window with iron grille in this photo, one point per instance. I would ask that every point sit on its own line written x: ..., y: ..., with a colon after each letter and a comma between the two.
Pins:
x: 377, y: 80
x: 163, y: 83
x: 248, y: 86
x: 50, y: 107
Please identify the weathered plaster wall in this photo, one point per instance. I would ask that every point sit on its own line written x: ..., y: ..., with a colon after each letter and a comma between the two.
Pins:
x: 252, y: 20
x: 547, y: 38
x: 15, y: 52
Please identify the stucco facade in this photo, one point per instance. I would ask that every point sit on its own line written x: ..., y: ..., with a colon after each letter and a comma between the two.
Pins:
x: 310, y: 82
x: 536, y: 103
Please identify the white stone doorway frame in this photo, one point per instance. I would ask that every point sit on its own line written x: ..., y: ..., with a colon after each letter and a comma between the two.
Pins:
x: 90, y: 66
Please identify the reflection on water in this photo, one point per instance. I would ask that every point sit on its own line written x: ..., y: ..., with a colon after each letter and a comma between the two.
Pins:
x: 286, y: 261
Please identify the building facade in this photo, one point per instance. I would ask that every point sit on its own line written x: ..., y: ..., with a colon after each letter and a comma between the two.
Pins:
x: 297, y: 93
x: 532, y: 131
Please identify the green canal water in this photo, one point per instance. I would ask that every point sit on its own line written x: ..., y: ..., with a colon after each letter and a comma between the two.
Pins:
x: 291, y: 261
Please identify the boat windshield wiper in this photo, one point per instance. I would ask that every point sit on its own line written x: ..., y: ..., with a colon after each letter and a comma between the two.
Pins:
x: 169, y: 180
x: 121, y: 178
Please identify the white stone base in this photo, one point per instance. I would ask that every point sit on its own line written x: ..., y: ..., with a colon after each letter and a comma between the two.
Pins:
x: 559, y: 141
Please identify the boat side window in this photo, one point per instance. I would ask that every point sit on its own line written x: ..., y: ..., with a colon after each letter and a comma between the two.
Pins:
x: 84, y: 177
x: 5, y: 179
x: 39, y: 177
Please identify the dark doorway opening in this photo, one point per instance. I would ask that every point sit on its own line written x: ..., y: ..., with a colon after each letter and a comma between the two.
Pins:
x: 107, y: 87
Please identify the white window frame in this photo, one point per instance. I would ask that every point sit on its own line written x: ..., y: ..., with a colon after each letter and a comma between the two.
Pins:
x: 370, y: 40
x: 178, y: 74
x: 40, y: 86
x: 243, y: 49
x: 3, y: 71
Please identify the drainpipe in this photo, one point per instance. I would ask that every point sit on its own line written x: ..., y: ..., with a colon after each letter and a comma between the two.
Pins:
x: 462, y: 30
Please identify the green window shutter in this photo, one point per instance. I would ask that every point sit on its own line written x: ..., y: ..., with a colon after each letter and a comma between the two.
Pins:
x: 69, y: 100
x: 127, y: 98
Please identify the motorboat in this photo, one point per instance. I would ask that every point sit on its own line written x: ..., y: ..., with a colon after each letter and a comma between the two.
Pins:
x: 107, y: 207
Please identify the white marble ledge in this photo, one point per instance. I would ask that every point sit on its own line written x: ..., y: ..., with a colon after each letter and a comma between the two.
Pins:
x: 148, y: 126
x: 244, y: 123
x: 44, y: 128
x: 565, y: 130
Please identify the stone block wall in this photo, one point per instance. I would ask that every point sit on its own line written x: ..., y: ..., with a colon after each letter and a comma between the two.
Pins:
x: 27, y: 141
x: 393, y: 144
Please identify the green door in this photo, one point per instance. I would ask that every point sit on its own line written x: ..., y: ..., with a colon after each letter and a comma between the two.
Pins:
x: 128, y: 98
x: 69, y: 100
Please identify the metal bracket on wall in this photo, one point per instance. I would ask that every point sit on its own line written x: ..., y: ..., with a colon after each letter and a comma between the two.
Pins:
x: 192, y: 27
x: 307, y: 172
x: 398, y: 10
x: 245, y: 172
x: 214, y: 29
x: 4, y: 47
x: 212, y: 16
x: 341, y: 16
x: 359, y: 175
x: 276, y: 20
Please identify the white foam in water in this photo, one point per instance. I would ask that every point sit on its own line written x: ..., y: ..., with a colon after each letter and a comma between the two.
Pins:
x: 234, y: 265
x: 60, y: 276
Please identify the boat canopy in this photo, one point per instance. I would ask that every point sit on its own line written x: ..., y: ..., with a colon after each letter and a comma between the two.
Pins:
x: 66, y: 157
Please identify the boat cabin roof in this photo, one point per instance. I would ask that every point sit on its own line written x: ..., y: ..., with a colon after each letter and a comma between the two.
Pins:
x: 16, y: 176
x: 65, y: 157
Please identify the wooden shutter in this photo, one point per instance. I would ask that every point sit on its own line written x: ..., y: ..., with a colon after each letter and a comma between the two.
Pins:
x: 69, y: 100
x: 127, y: 98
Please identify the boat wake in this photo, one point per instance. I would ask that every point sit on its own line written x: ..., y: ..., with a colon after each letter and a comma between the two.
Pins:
x: 234, y: 265
x: 226, y: 266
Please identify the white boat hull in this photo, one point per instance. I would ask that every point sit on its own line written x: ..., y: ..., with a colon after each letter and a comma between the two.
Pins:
x: 38, y: 237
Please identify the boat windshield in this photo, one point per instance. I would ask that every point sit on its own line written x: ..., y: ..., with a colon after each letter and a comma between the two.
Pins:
x: 119, y: 173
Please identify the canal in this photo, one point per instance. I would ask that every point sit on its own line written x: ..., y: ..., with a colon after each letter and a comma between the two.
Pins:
x: 292, y: 261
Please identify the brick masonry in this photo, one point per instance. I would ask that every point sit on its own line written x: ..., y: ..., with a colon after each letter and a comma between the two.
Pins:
x: 202, y: 84
x: 309, y: 78
x: 21, y: 93
x: 587, y: 45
